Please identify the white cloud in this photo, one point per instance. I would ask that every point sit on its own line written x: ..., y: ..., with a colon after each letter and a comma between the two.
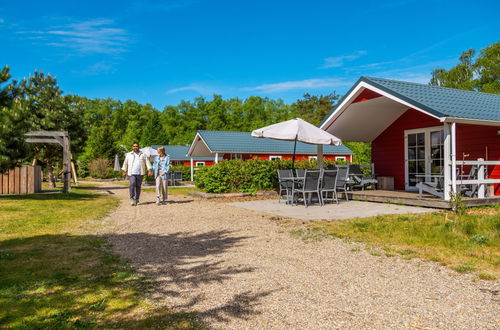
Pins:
x: 91, y: 36
x: 315, y: 83
x: 203, y: 90
x: 335, y: 62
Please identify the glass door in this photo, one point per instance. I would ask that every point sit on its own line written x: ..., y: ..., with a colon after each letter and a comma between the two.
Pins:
x: 415, y: 158
x: 423, y: 155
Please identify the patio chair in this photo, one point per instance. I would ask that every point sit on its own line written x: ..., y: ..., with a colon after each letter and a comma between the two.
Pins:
x: 299, y: 172
x: 469, y: 190
x: 329, y: 185
x: 175, y: 176
x: 331, y: 167
x: 434, y: 187
x: 310, y: 185
x: 360, y: 180
x: 343, y: 179
x: 285, y: 186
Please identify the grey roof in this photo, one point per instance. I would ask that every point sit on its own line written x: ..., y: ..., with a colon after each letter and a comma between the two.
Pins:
x: 243, y: 142
x: 180, y: 153
x: 439, y: 101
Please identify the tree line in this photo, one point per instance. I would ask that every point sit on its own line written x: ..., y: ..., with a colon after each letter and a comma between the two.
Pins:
x: 106, y: 127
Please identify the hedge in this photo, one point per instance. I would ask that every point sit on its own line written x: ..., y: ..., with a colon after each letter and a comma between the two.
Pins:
x: 246, y: 176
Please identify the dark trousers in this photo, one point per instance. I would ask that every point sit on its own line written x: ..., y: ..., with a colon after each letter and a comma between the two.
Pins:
x: 135, y: 186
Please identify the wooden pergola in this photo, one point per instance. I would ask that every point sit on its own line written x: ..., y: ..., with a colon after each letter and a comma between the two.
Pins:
x: 61, y: 138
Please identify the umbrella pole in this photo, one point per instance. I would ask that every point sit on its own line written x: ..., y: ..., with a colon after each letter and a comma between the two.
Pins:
x: 293, y: 157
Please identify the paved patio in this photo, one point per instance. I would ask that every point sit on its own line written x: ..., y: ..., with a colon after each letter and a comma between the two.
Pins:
x: 345, y: 209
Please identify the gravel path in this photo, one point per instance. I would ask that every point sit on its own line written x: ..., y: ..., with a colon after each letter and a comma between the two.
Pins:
x: 241, y: 269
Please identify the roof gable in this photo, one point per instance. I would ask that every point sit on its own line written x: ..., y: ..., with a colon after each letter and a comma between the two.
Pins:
x: 243, y: 142
x: 437, y: 101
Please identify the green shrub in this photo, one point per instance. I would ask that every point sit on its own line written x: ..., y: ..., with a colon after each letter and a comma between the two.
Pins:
x: 100, y: 168
x: 247, y: 175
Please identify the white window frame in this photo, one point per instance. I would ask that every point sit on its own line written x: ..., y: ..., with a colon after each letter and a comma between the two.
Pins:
x: 200, y: 164
x: 274, y: 157
x: 342, y: 158
x: 313, y: 157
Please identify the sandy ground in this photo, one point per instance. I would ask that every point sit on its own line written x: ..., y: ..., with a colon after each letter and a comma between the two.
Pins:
x: 241, y: 269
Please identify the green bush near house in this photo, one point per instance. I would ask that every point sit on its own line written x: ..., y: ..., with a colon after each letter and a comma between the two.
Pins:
x: 246, y: 176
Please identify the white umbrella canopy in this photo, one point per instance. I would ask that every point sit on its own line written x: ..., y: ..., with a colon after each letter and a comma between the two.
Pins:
x: 297, y: 130
x: 149, y: 151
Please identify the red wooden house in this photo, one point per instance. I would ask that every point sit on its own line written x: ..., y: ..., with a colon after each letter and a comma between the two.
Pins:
x: 418, y: 131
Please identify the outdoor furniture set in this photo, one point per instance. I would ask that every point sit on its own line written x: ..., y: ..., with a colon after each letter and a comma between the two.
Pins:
x: 322, y: 183
x: 434, y: 184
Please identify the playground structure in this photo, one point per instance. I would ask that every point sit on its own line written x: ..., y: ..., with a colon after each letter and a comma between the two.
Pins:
x: 61, y: 138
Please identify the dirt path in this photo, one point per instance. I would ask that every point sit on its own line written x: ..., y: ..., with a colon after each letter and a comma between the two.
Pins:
x: 241, y: 269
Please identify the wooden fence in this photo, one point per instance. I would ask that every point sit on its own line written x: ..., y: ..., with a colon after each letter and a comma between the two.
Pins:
x: 21, y: 180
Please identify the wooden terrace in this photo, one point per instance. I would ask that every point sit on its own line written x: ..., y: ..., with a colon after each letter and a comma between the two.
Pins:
x: 412, y: 198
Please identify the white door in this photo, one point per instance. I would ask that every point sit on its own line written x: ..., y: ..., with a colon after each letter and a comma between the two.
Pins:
x: 423, y: 155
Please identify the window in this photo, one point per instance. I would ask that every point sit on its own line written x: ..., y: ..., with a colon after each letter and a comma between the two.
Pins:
x: 274, y: 157
x: 342, y: 158
x: 200, y: 163
x: 236, y: 156
x: 313, y: 157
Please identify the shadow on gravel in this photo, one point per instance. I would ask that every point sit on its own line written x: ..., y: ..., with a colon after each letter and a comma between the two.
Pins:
x: 184, y: 260
x: 87, y: 268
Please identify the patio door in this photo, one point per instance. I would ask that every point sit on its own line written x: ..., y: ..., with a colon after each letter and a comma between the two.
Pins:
x: 423, y: 154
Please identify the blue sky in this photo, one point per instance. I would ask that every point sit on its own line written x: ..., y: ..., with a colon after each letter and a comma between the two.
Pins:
x: 161, y: 52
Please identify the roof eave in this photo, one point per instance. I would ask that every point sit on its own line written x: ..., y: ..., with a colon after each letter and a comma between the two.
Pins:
x: 469, y: 121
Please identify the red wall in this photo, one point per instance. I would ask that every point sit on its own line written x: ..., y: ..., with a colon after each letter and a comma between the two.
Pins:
x: 388, y: 147
x: 286, y: 156
x: 473, y: 140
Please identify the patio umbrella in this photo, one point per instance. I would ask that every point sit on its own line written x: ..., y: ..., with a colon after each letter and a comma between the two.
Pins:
x: 297, y: 130
x: 149, y: 151
x: 117, y: 167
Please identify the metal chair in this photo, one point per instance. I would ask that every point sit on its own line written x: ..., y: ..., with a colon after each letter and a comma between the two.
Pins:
x: 285, y: 185
x: 299, y: 172
x: 342, y: 179
x: 311, y: 184
x: 329, y: 184
x: 175, y: 176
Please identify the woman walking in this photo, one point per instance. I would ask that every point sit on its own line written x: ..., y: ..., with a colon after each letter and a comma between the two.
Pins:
x: 161, y: 170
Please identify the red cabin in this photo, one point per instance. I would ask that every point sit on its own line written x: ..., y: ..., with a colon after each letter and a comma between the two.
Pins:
x: 419, y: 131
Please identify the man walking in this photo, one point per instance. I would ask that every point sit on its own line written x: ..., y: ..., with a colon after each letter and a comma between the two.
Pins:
x: 134, y: 166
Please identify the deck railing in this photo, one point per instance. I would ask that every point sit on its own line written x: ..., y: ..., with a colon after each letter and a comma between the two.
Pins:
x: 482, y: 181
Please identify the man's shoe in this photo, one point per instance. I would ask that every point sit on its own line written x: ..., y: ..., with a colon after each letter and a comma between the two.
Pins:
x: 158, y: 201
x: 132, y: 202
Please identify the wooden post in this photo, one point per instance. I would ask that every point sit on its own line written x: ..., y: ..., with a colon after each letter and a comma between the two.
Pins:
x: 1, y: 183
x: 30, y: 188
x: 453, y: 157
x: 192, y: 170
x: 481, y: 192
x: 23, y: 180
x: 66, y: 165
x: 5, y: 183
x: 73, y: 171
x: 447, y: 158
x: 320, y: 156
x: 12, y: 181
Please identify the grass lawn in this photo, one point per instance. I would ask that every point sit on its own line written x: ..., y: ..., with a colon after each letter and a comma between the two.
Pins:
x: 466, y: 243
x: 54, y: 275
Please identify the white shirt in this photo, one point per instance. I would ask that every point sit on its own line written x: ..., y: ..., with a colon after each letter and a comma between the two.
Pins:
x: 136, y: 165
